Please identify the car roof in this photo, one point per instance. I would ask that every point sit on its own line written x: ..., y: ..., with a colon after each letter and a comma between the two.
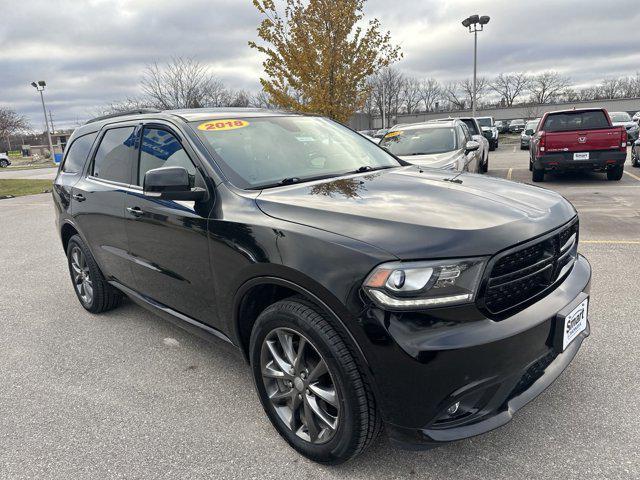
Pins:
x: 429, y: 124
x: 187, y: 115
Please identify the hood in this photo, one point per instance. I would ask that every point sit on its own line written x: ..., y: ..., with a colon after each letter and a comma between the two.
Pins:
x: 434, y: 160
x: 415, y: 214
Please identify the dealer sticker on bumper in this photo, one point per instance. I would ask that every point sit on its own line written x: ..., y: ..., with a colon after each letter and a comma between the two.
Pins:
x: 574, y: 323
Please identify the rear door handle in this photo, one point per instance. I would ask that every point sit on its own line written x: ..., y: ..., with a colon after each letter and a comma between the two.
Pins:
x: 135, y: 211
x: 79, y: 197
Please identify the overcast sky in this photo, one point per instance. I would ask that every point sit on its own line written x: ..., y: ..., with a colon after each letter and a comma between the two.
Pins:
x: 92, y: 52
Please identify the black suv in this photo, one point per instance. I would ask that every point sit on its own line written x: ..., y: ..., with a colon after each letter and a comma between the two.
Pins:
x: 364, y: 291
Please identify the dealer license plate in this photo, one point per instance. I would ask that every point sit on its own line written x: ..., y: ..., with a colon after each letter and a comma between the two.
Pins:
x: 581, y: 156
x: 574, y: 323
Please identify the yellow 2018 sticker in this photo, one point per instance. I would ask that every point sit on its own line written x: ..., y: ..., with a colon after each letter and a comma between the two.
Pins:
x: 393, y: 134
x: 223, y: 124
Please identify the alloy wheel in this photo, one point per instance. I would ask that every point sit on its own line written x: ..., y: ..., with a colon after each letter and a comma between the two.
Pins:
x: 81, y: 275
x: 299, y: 385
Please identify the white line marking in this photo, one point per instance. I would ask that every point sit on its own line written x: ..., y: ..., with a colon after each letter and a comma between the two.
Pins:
x: 632, y: 175
x: 509, y: 173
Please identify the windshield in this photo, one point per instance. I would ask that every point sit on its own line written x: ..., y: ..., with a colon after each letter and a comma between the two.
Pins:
x: 267, y: 151
x: 420, y: 141
x: 620, y: 117
x: 484, y: 121
x: 517, y: 122
x: 531, y: 125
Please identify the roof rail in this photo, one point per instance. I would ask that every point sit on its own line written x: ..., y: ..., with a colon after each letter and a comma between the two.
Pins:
x: 124, y: 113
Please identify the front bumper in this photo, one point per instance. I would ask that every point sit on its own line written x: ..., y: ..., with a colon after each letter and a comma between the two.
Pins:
x: 598, y: 160
x: 425, y: 363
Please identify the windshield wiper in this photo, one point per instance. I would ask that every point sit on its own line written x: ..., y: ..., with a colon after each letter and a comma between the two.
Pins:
x: 369, y: 168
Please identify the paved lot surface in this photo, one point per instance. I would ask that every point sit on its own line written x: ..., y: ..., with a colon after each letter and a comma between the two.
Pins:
x: 128, y: 395
x: 32, y: 173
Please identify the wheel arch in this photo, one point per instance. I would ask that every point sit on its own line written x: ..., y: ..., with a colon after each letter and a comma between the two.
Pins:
x: 245, y: 312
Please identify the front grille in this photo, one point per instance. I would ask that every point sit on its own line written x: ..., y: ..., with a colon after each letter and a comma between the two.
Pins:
x: 526, y: 273
x: 533, y: 373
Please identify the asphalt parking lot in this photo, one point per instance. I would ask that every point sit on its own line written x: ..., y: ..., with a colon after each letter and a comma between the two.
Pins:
x: 128, y: 395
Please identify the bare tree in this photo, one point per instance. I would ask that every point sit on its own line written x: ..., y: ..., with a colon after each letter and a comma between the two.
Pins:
x: 466, y: 87
x: 430, y: 93
x: 262, y: 100
x: 630, y: 86
x: 547, y: 86
x: 181, y: 83
x: 411, y: 95
x: 510, y: 86
x: 453, y: 94
x: 387, y: 92
x: 611, y: 88
x: 12, y: 122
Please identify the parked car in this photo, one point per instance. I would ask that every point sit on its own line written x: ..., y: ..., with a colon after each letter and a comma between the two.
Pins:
x: 516, y: 126
x: 525, y: 136
x: 363, y: 291
x: 623, y: 119
x: 4, y: 160
x: 635, y: 154
x: 583, y: 139
x: 636, y: 117
x: 446, y: 145
x: 502, y: 126
x: 476, y: 133
x: 489, y: 130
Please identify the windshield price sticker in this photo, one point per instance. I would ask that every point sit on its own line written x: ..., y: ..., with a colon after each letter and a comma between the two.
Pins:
x: 224, y: 124
x: 393, y: 134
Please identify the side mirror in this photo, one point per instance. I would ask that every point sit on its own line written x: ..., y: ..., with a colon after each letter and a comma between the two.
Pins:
x: 471, y: 146
x: 529, y: 132
x: 171, y: 183
x: 637, y: 143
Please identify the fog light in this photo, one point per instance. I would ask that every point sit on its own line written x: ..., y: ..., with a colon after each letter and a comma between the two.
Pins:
x: 453, y: 408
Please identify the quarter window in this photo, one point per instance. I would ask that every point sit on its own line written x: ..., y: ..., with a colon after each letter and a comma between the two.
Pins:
x: 161, y: 148
x: 114, y: 158
x: 77, y: 153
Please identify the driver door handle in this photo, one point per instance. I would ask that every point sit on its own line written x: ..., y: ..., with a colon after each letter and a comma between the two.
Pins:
x: 135, y: 211
x: 79, y: 197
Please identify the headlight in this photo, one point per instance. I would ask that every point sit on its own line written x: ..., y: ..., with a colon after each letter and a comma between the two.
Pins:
x: 419, y: 285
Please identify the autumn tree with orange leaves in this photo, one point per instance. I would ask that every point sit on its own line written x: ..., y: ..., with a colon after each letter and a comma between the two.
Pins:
x: 319, y: 55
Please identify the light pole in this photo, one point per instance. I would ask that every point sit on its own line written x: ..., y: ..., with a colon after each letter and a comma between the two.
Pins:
x: 475, y: 24
x: 40, y: 87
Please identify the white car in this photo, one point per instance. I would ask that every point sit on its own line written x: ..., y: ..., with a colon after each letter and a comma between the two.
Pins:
x: 446, y: 145
x: 623, y: 119
x: 4, y: 160
x: 636, y: 117
x: 476, y: 133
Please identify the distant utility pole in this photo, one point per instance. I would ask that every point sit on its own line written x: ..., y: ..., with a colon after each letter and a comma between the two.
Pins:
x: 478, y: 23
x: 40, y: 87
x: 53, y: 129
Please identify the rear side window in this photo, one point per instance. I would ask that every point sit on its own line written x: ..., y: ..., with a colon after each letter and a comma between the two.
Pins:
x: 114, y: 158
x: 161, y: 148
x: 559, y: 122
x: 77, y: 153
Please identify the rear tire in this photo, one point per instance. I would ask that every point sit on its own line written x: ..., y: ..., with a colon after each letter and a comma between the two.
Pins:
x: 91, y: 288
x: 635, y: 158
x: 4, y: 163
x: 356, y: 422
x: 615, y: 173
x: 537, y: 174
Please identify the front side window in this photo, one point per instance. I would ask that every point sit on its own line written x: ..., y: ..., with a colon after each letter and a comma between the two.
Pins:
x: 420, y: 141
x: 114, y: 158
x: 77, y: 153
x: 267, y: 151
x: 160, y: 148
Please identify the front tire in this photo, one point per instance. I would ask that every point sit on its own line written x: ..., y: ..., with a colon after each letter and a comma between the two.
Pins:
x: 310, y: 384
x: 4, y: 163
x: 93, y: 291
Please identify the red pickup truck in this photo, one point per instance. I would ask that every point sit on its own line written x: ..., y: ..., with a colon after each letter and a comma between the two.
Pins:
x: 582, y: 139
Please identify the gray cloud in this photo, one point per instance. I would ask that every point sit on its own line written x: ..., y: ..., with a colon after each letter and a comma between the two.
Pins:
x: 93, y: 52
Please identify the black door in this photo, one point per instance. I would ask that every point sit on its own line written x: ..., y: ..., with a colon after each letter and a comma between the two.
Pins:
x: 98, y: 202
x: 168, y: 239
x: 71, y: 171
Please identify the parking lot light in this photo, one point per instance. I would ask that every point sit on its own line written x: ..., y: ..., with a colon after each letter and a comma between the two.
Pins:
x: 39, y: 86
x: 475, y: 24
